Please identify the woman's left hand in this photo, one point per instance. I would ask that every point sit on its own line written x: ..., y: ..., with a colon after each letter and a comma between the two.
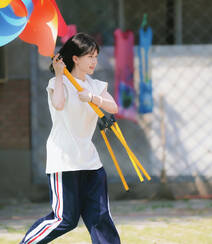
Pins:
x: 85, y: 95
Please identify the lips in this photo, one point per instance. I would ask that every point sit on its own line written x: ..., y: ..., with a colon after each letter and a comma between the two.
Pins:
x: 91, y: 67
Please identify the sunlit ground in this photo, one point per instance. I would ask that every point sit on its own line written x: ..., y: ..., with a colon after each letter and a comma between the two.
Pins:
x: 188, y: 222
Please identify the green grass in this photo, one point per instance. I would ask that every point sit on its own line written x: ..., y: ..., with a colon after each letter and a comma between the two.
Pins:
x: 162, y: 205
x: 140, y: 208
x: 5, y: 241
x: 2, y: 206
x: 159, y: 231
x: 12, y: 230
x: 145, y: 222
x: 209, y: 205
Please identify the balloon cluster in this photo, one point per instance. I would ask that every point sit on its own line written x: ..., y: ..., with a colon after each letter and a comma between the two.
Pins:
x: 37, y: 22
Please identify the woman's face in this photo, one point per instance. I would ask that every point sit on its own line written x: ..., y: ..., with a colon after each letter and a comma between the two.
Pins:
x: 87, y: 63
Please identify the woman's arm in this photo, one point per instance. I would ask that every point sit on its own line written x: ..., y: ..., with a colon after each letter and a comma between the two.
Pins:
x: 58, y: 94
x: 106, y: 102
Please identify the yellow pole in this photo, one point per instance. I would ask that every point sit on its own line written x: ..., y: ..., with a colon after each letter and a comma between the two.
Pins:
x: 101, y: 115
x: 129, y: 153
x: 114, y: 160
x: 137, y: 162
x: 79, y: 88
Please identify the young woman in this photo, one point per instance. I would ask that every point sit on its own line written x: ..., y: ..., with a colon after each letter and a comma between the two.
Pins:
x: 77, y: 179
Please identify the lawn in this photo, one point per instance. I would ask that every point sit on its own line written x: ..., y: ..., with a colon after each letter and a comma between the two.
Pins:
x: 185, y: 222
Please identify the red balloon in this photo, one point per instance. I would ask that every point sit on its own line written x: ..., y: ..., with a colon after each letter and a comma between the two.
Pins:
x: 19, y: 8
x: 42, y: 27
x: 62, y: 27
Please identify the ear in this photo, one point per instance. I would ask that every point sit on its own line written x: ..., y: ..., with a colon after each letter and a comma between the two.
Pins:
x: 75, y: 59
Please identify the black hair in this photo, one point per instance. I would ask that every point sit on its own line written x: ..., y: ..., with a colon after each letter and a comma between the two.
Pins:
x: 78, y: 45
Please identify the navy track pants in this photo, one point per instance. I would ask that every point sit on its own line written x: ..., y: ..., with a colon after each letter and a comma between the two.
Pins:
x: 74, y: 194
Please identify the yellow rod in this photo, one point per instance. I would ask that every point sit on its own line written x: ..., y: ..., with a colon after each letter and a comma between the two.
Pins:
x: 128, y: 151
x: 101, y: 114
x: 122, y: 137
x: 114, y: 160
x: 131, y: 156
x: 79, y: 88
x: 135, y: 160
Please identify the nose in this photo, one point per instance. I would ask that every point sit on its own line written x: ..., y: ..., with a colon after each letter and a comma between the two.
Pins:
x: 94, y: 60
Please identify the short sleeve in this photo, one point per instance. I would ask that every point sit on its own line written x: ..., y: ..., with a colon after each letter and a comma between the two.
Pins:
x: 101, y: 86
x: 51, y: 86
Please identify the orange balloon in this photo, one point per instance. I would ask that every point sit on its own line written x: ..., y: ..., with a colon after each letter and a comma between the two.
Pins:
x: 42, y: 27
x: 62, y: 26
x: 4, y: 3
x: 19, y: 8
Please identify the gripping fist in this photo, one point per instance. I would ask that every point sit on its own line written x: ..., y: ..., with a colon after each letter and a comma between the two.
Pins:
x: 58, y: 65
x: 85, y: 95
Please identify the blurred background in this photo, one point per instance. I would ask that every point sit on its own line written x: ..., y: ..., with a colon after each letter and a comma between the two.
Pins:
x: 173, y: 142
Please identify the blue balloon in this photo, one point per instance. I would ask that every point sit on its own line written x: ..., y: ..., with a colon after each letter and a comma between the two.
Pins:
x: 11, y: 25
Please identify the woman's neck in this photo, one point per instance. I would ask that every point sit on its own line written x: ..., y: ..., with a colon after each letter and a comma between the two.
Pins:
x: 78, y: 74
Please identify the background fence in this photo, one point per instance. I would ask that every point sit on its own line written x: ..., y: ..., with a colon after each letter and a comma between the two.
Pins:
x: 176, y: 137
x: 173, y: 21
x: 179, y: 130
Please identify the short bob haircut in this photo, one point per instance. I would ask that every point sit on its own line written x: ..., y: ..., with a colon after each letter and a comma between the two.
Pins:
x: 78, y: 45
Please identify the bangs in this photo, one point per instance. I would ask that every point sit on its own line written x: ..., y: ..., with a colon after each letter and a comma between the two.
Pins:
x: 90, y: 49
x: 78, y: 45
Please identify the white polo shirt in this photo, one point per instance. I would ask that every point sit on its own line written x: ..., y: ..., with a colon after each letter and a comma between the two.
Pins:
x: 69, y: 145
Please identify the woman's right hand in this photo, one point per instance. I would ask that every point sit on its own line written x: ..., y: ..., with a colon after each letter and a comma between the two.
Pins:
x: 58, y: 65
